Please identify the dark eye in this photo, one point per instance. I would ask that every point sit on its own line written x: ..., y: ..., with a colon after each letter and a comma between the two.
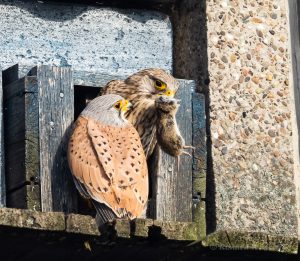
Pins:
x: 117, y: 105
x: 158, y: 83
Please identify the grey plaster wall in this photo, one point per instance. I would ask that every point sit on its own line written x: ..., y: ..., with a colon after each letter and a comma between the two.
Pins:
x: 88, y: 38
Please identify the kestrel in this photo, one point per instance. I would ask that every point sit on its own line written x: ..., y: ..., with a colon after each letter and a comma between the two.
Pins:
x: 142, y: 89
x: 107, y: 160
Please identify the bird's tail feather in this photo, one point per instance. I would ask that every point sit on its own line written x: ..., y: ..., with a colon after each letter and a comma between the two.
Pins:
x: 104, y: 213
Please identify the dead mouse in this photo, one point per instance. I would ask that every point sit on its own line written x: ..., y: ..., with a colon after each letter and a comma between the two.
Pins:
x: 167, y: 132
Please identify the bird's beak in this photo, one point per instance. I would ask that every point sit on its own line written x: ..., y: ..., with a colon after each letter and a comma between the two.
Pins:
x: 125, y: 105
x: 169, y: 93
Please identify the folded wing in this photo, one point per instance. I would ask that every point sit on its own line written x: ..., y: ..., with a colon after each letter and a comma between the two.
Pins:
x: 109, y: 165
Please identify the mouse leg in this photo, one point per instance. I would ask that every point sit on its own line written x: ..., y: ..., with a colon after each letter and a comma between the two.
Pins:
x: 189, y: 147
x: 186, y: 153
x: 178, y: 162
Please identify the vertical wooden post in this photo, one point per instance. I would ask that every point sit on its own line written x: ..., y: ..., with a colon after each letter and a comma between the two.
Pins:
x: 199, y: 142
x: 199, y: 162
x: 56, y: 113
x: 172, y: 187
x: 8, y: 76
x: 21, y: 140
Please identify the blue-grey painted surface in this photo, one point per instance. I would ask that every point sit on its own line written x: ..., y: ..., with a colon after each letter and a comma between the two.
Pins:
x: 88, y: 38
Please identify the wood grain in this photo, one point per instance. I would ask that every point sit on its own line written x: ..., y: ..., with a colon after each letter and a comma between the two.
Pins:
x: 21, y: 143
x: 56, y: 113
x: 199, y: 162
x: 7, y: 76
x: 94, y: 79
x: 172, y: 187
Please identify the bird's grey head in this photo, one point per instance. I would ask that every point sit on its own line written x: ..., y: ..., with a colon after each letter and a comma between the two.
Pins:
x: 108, y: 109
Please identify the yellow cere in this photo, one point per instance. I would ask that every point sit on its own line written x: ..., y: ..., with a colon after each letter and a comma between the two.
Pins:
x: 169, y: 93
x: 124, y: 105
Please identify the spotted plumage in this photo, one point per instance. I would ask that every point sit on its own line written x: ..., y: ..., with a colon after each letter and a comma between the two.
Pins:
x: 107, y: 161
x: 142, y: 89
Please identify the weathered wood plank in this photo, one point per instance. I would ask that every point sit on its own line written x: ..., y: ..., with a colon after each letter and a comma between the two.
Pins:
x: 94, y: 79
x: 24, y: 218
x: 2, y: 172
x: 56, y: 113
x: 81, y: 224
x: 172, y: 186
x: 199, y: 162
x: 10, y: 75
x: 21, y: 143
x: 28, y: 196
x: 80, y: 78
x: 86, y: 225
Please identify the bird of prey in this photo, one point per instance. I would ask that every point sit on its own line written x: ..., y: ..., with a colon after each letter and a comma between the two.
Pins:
x: 142, y: 89
x: 107, y: 161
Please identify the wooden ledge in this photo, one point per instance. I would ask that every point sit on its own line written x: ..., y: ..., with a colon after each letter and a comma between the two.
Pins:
x: 86, y: 225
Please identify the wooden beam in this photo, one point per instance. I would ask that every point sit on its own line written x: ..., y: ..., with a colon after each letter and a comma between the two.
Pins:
x: 91, y: 79
x: 56, y: 113
x: 21, y: 143
x: 199, y: 162
x: 8, y: 76
x: 172, y: 186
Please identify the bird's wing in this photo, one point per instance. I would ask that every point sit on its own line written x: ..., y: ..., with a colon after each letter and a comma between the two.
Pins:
x: 110, y: 163
x: 111, y: 87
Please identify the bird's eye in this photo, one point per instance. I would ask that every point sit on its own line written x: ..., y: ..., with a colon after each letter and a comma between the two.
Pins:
x: 117, y: 105
x: 159, y: 85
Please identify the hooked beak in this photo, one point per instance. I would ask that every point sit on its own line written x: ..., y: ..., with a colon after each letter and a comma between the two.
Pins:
x: 125, y: 105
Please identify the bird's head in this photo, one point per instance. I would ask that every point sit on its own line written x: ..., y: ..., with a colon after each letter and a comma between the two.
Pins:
x: 122, y: 106
x: 108, y: 109
x: 153, y: 82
